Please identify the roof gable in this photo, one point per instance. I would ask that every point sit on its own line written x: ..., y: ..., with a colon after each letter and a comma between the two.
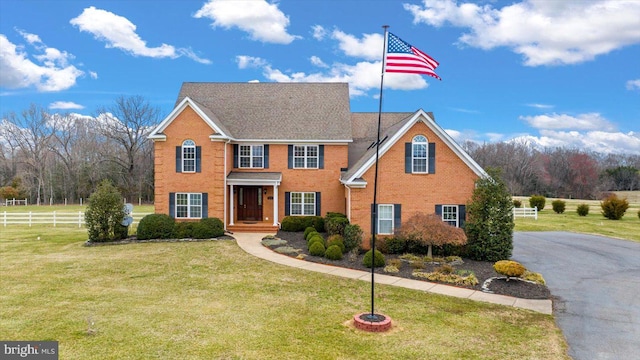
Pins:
x: 205, y: 114
x: 393, y: 134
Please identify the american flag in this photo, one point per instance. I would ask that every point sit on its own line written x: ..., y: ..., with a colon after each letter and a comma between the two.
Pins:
x: 401, y: 57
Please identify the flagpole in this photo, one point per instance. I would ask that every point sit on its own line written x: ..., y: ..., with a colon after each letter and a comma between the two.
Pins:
x: 374, y: 217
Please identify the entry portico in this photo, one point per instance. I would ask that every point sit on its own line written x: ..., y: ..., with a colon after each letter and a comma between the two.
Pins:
x: 246, y: 200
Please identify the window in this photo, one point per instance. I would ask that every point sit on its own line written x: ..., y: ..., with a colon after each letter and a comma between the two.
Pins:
x: 385, y: 219
x: 188, y: 156
x: 450, y: 214
x: 419, y: 154
x: 305, y: 156
x: 188, y: 205
x: 303, y: 203
x: 251, y: 156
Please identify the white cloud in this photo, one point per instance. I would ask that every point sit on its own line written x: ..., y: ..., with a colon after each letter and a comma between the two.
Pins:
x: 589, y: 121
x: 319, y: 32
x: 544, y: 32
x: 93, y: 74
x: 369, y: 47
x: 48, y: 71
x: 120, y: 33
x: 597, y: 141
x: 245, y: 61
x: 262, y: 20
x: 65, y: 105
x: 541, y: 106
x: 318, y: 62
x: 633, y: 84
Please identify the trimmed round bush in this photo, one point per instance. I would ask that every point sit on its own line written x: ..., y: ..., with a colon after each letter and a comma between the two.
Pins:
x: 316, y: 237
x: 312, y: 234
x: 183, y: 230
x: 208, y: 228
x: 336, y: 240
x: 292, y: 223
x: 316, y: 249
x: 509, y: 268
x: 517, y: 203
x: 308, y: 230
x: 537, y: 201
x: 333, y: 253
x: 396, y: 245
x: 370, y: 260
x: 613, y: 208
x: 583, y: 210
x: 335, y: 224
x: 156, y: 226
x: 558, y: 206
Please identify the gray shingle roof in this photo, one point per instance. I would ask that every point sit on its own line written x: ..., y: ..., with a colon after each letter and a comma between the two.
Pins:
x: 365, y: 131
x: 276, y: 111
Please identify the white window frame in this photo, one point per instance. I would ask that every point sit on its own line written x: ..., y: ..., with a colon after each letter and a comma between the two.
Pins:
x: 252, y: 156
x: 451, y: 215
x: 420, y: 140
x: 193, y: 205
x: 303, y: 203
x: 306, y: 157
x: 188, y: 156
x: 385, y: 219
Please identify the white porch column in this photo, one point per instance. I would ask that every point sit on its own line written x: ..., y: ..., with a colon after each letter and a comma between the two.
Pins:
x: 231, y: 206
x: 275, y: 205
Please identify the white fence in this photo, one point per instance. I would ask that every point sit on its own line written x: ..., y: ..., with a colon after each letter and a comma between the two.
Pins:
x: 14, y: 202
x: 55, y: 217
x: 526, y: 212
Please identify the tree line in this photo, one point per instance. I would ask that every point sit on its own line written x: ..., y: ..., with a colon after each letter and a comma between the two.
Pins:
x: 49, y: 157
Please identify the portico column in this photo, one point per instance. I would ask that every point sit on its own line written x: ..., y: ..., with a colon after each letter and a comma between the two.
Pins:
x: 275, y: 205
x: 231, y: 212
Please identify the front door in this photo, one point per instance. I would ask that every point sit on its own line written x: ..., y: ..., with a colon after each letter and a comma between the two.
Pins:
x: 250, y: 203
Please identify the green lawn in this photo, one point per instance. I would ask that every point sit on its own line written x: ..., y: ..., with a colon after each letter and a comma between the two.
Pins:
x: 211, y: 300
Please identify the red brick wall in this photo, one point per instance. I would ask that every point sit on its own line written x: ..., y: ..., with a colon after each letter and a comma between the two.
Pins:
x: 452, y: 183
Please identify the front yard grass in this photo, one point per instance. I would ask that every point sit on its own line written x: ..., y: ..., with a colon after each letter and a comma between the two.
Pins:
x: 210, y: 300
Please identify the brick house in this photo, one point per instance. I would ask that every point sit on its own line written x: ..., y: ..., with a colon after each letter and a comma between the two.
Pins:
x: 252, y: 153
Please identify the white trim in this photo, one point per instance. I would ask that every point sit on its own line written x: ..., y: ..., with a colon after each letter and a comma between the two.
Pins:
x: 306, y: 157
x: 188, y: 205
x: 251, y: 156
x: 457, y: 207
x: 392, y: 219
x: 302, y: 204
x: 157, y: 134
x: 420, y: 115
x: 424, y: 143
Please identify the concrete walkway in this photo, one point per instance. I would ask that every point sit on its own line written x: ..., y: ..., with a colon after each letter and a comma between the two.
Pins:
x: 250, y: 243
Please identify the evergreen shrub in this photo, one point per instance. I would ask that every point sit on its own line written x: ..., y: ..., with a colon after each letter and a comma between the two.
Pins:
x: 352, y: 237
x: 333, y: 252
x: 613, y: 208
x: 156, y: 226
x: 208, y: 228
x: 370, y: 260
x: 583, y: 209
x: 317, y: 249
x: 558, y: 206
x: 337, y: 240
x: 509, y: 268
x: 537, y: 201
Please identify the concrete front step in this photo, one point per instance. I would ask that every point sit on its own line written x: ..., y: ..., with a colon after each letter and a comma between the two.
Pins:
x: 259, y: 227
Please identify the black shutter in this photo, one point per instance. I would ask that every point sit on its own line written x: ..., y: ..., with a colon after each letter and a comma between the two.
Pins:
x: 321, y: 157
x: 172, y: 205
x: 318, y: 203
x: 439, y: 210
x: 205, y: 205
x: 290, y: 157
x: 235, y: 156
x: 178, y: 158
x: 198, y: 158
x: 462, y: 215
x: 265, y: 163
x: 397, y: 216
x: 287, y: 203
x: 432, y: 158
x: 407, y: 158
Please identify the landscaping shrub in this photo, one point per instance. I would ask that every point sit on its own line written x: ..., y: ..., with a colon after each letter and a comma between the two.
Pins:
x: 558, y: 206
x: 381, y: 245
x: 613, y: 208
x: 583, y: 209
x: 317, y: 249
x: 208, y: 228
x: 311, y: 234
x: 308, y: 230
x: 333, y: 252
x: 352, y: 237
x: 638, y: 214
x: 444, y: 269
x: 337, y: 240
x: 509, y: 268
x: 292, y: 223
x: 415, y: 246
x: 156, y: 226
x: 105, y: 213
x: 370, y: 260
x: 181, y: 230
x: 335, y: 224
x: 517, y: 203
x: 489, y: 225
x: 537, y: 201
x: 315, y: 239
x: 533, y: 276
x: 396, y: 245
x: 430, y: 230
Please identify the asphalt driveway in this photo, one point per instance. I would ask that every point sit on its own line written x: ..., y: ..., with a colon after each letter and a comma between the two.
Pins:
x: 596, y: 282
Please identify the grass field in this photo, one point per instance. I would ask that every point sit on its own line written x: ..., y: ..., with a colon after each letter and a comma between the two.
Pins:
x: 210, y: 300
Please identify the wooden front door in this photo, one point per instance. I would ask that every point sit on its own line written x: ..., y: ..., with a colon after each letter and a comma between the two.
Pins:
x: 250, y: 203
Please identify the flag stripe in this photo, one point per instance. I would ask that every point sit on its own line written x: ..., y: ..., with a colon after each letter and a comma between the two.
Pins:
x: 401, y: 57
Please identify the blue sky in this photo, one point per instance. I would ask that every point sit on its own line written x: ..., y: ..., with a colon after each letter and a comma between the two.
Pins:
x: 554, y: 73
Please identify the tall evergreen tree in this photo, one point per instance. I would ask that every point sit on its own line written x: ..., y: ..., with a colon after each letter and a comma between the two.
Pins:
x: 490, y: 224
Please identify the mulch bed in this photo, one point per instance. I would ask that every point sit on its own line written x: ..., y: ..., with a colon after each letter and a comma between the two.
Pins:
x: 483, y: 270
